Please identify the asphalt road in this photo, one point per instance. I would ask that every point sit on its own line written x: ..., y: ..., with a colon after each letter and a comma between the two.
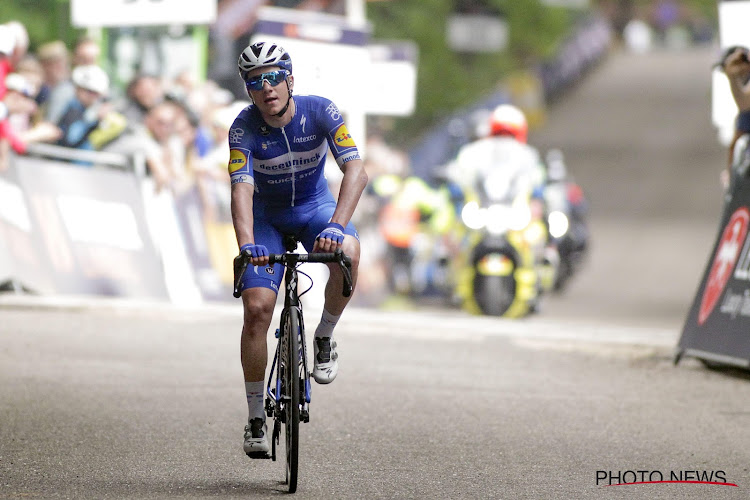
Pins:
x: 121, y: 400
x: 147, y: 403
x: 637, y: 136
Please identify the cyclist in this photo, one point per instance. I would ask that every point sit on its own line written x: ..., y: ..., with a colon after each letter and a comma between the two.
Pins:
x: 278, y: 146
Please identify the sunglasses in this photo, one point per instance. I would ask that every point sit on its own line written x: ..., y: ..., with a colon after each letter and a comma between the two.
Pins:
x: 272, y: 77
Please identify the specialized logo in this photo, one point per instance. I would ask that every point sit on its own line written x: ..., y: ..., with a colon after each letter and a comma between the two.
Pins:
x: 303, y: 122
x: 237, y: 160
x: 724, y: 261
x: 235, y: 135
x: 343, y: 138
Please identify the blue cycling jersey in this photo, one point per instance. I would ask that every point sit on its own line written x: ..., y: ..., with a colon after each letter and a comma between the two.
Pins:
x: 286, y: 164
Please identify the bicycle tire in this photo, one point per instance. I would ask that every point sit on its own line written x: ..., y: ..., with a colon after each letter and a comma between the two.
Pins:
x: 292, y: 406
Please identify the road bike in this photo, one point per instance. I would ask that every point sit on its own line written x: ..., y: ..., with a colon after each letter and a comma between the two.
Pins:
x: 288, y: 390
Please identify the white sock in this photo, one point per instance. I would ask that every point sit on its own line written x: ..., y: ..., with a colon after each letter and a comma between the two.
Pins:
x: 327, y: 323
x: 254, y: 391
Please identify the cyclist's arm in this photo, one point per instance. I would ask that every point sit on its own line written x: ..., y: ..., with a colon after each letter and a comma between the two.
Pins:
x: 352, y: 186
x: 242, y: 212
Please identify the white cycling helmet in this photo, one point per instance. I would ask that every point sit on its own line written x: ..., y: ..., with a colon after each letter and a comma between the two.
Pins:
x: 91, y: 77
x: 262, y: 54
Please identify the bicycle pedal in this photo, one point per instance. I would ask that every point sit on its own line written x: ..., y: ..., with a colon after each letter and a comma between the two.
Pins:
x: 259, y: 455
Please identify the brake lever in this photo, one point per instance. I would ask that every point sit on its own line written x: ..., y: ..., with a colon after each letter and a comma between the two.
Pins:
x: 345, y: 262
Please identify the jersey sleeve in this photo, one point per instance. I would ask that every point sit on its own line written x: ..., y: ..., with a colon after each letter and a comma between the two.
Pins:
x: 240, y: 153
x: 340, y: 141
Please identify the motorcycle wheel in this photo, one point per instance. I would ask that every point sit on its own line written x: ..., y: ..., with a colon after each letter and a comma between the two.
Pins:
x: 494, y: 294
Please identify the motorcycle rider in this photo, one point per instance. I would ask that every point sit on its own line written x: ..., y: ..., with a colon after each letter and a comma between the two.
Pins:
x: 506, y: 146
x: 503, y: 163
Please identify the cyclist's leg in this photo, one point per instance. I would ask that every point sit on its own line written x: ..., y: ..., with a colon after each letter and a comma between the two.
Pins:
x: 259, y: 287
x: 335, y: 302
x: 326, y: 364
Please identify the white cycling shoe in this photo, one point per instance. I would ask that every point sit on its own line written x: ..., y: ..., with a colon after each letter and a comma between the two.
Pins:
x: 255, y: 437
x: 326, y: 360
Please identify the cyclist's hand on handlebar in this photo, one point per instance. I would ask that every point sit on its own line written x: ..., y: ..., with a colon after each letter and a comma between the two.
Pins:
x: 330, y: 238
x: 257, y: 254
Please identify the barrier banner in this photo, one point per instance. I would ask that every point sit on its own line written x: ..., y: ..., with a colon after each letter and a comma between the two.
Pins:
x: 190, y: 215
x: 718, y: 324
x: 72, y: 229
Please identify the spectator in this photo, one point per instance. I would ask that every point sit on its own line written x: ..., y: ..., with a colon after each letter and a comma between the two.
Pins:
x: 21, y: 42
x: 156, y: 139
x: 16, y: 110
x: 143, y: 93
x: 58, y: 89
x: 736, y: 66
x: 89, y: 121
x: 30, y: 68
x: 86, y: 52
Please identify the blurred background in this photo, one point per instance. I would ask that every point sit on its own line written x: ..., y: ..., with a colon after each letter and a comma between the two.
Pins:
x: 621, y: 89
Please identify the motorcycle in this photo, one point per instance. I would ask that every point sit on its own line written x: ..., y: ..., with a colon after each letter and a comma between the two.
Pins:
x: 566, y: 220
x: 506, y: 264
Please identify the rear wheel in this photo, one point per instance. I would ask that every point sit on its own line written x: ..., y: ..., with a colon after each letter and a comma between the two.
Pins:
x: 292, y: 396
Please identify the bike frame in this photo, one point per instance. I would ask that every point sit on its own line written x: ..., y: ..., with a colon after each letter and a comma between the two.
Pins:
x: 291, y: 300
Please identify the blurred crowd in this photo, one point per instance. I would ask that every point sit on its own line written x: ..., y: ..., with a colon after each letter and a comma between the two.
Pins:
x: 61, y: 95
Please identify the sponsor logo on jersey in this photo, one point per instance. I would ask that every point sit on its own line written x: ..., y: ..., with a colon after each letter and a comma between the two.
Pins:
x: 237, y: 160
x: 295, y: 161
x: 333, y: 112
x: 349, y: 157
x: 307, y: 138
x: 243, y: 178
x: 724, y: 261
x: 288, y: 166
x: 343, y: 138
x: 235, y: 135
x: 303, y: 122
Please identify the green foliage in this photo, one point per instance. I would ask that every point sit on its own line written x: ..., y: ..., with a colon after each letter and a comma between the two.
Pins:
x: 45, y: 20
x: 447, y: 80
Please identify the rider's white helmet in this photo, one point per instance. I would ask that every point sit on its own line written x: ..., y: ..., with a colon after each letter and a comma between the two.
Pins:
x: 260, y: 54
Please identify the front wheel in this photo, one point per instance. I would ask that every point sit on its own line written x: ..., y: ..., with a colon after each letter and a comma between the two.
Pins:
x: 494, y: 294
x: 292, y: 395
